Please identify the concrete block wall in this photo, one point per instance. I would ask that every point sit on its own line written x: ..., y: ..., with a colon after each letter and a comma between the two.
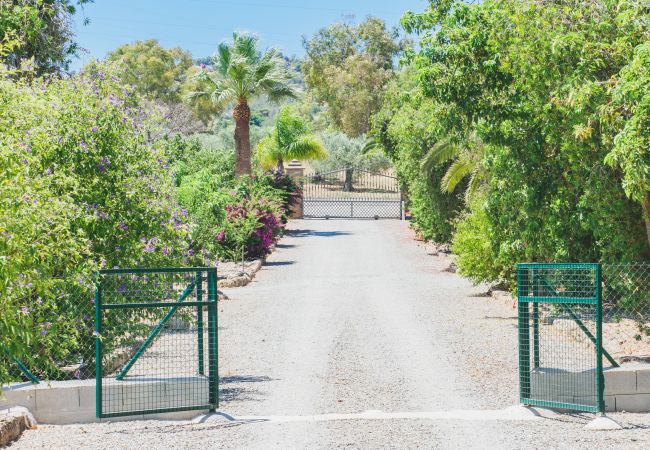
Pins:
x: 627, y: 388
x: 66, y: 402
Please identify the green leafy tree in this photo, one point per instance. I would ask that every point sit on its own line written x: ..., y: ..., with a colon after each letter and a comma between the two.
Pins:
x: 42, y: 31
x: 289, y: 139
x: 242, y: 73
x: 155, y: 72
x: 347, y: 67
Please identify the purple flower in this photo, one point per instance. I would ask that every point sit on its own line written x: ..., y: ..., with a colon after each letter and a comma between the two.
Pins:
x: 24, y: 311
x: 221, y: 235
x: 93, y: 130
x: 123, y: 226
x: 202, y: 66
x: 101, y: 168
x: 166, y: 250
x: 122, y: 289
x: 86, y: 317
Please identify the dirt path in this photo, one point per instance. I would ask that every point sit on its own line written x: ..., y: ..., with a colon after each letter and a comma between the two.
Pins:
x: 352, y: 316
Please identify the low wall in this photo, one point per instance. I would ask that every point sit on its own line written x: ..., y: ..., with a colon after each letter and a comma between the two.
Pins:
x: 627, y: 388
x: 66, y: 402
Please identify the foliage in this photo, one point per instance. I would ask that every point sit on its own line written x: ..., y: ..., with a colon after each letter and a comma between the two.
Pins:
x: 406, y: 130
x: 42, y: 32
x: 288, y: 140
x: 82, y: 189
x: 554, y: 91
x: 346, y: 152
x: 155, y: 72
x: 228, y: 214
x: 242, y: 73
x: 347, y: 67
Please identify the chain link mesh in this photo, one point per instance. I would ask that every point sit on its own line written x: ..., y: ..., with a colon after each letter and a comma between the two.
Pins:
x: 626, y: 310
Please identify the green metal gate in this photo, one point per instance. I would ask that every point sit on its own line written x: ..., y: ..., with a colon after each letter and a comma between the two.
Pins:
x: 156, y: 341
x: 560, y: 336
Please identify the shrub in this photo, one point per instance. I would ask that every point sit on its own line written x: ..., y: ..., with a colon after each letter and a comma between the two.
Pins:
x: 83, y: 188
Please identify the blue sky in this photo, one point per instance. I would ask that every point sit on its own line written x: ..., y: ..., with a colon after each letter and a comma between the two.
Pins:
x: 199, y: 25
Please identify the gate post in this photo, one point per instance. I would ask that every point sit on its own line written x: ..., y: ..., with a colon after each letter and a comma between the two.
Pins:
x: 98, y: 347
x: 296, y: 171
x: 600, y: 381
x: 523, y: 310
x: 213, y: 378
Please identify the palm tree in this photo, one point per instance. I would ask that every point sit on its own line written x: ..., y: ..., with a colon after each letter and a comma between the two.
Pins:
x: 242, y: 73
x: 466, y: 157
x: 288, y: 140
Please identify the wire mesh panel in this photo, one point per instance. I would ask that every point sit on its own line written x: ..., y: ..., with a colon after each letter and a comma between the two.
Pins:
x: 626, y: 310
x: 560, y: 336
x: 351, y: 193
x: 156, y: 341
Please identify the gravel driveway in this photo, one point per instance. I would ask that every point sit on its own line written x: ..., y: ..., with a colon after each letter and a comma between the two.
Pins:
x: 352, y: 316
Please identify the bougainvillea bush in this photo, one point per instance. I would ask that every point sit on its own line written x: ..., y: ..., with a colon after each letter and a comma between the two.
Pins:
x: 82, y: 189
x: 231, y: 220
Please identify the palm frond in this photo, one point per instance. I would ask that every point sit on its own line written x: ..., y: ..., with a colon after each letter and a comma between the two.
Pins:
x: 306, y: 147
x: 441, y: 152
x: 268, y: 151
x: 222, y: 58
x: 245, y: 45
x: 458, y: 170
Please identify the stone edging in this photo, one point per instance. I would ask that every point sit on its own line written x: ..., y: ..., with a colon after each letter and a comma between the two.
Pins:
x: 243, y: 279
x: 13, y: 422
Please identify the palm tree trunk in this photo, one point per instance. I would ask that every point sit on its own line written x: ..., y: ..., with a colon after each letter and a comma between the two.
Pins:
x: 242, y: 116
x: 645, y: 208
x: 280, y: 167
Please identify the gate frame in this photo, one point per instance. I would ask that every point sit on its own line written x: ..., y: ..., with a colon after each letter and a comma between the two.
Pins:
x: 523, y: 318
x: 213, y: 347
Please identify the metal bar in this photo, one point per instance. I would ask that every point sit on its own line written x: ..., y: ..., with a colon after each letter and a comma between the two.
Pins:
x: 573, y: 300
x: 556, y: 265
x: 213, y: 377
x: 199, y: 318
x: 581, y: 325
x: 524, y: 336
x: 332, y: 200
x: 156, y: 270
x: 561, y: 405
x: 600, y: 380
x: 149, y: 305
x: 188, y: 290
x: 141, y: 412
x: 23, y: 368
x: 98, y: 347
x: 535, y: 324
x: 536, y: 335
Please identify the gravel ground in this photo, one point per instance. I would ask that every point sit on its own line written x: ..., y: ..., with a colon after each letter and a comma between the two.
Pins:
x: 350, y: 316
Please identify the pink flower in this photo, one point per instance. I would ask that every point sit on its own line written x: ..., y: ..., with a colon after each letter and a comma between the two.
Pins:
x: 221, y: 235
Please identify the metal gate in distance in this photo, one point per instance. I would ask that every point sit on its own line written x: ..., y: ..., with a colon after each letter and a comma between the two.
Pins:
x: 353, y: 194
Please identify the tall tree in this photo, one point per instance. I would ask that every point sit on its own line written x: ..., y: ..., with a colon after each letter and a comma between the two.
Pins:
x: 156, y: 72
x: 347, y: 68
x: 242, y: 73
x: 41, y: 29
x: 289, y: 139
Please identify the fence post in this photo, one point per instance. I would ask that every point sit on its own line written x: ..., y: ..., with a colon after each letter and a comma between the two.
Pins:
x: 600, y: 380
x: 199, y: 318
x: 213, y: 378
x: 98, y: 347
x: 524, y: 334
x: 536, y: 293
